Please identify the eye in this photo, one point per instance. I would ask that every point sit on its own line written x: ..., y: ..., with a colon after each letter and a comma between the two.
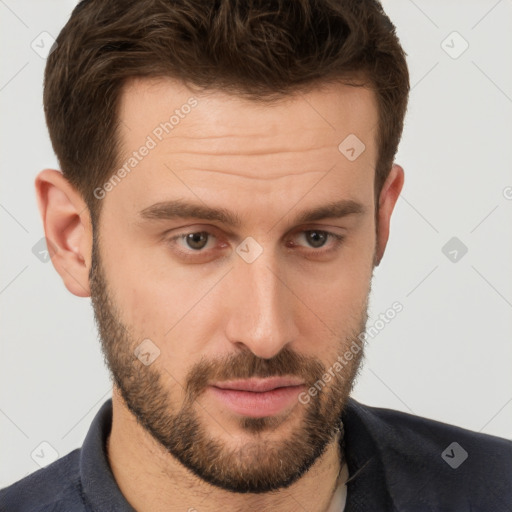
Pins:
x: 196, y: 241
x: 197, y: 246
x: 317, y: 238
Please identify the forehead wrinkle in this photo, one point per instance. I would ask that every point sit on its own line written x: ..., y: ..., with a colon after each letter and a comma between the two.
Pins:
x: 233, y: 144
x: 262, y: 152
x: 263, y: 177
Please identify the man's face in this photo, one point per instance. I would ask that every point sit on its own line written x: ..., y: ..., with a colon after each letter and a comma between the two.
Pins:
x: 218, y: 307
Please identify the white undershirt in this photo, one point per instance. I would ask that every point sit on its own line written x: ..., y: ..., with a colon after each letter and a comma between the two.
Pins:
x: 340, y: 494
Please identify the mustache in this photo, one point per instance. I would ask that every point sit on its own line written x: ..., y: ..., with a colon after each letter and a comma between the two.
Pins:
x: 244, y: 365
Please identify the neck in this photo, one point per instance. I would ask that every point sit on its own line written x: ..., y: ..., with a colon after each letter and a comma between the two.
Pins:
x: 151, y: 479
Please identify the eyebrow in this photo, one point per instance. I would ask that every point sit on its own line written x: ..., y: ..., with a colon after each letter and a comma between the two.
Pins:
x: 180, y: 209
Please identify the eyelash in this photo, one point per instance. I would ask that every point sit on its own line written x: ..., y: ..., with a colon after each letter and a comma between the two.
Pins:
x: 337, y: 242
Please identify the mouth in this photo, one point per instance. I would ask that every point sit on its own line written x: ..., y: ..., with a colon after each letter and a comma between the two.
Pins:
x: 257, y: 397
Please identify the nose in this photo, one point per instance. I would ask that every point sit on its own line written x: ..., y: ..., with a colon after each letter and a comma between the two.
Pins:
x: 260, y: 308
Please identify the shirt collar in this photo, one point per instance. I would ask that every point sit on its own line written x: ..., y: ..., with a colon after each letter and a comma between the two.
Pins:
x: 100, y: 490
x: 367, y: 486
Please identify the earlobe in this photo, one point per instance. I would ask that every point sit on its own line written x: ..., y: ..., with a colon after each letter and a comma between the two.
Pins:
x: 387, y: 201
x: 67, y: 227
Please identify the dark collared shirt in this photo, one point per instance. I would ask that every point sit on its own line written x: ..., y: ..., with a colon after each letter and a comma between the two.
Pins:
x: 396, y: 462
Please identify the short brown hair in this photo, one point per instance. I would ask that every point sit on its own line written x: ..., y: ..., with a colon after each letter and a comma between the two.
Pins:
x: 261, y: 49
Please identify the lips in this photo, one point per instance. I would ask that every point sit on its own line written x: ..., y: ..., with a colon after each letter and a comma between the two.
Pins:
x: 258, y: 398
x: 259, y: 385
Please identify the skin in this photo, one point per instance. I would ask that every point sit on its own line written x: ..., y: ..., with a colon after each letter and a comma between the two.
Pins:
x: 267, y: 164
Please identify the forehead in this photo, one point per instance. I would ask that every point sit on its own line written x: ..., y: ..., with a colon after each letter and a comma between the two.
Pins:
x: 213, y: 141
x: 329, y: 109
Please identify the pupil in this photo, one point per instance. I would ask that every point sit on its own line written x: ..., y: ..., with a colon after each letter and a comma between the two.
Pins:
x: 316, y: 238
x: 197, y: 240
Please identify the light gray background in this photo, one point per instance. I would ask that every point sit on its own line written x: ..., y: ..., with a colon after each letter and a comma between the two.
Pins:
x: 446, y: 356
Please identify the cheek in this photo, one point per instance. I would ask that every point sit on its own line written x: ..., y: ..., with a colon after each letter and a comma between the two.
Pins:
x: 151, y: 295
x: 336, y: 300
x: 177, y: 310
x: 337, y: 306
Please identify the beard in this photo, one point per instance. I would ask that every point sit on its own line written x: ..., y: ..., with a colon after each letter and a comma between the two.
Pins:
x: 257, y: 466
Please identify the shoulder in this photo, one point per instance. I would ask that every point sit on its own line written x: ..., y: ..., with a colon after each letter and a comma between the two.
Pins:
x: 55, y: 487
x: 442, y: 462
x: 425, y: 436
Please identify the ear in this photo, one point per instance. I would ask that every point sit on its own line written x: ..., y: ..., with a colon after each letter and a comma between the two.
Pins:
x: 387, y: 200
x: 68, y: 229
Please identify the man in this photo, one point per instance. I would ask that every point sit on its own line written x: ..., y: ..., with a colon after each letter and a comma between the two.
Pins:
x: 227, y: 188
